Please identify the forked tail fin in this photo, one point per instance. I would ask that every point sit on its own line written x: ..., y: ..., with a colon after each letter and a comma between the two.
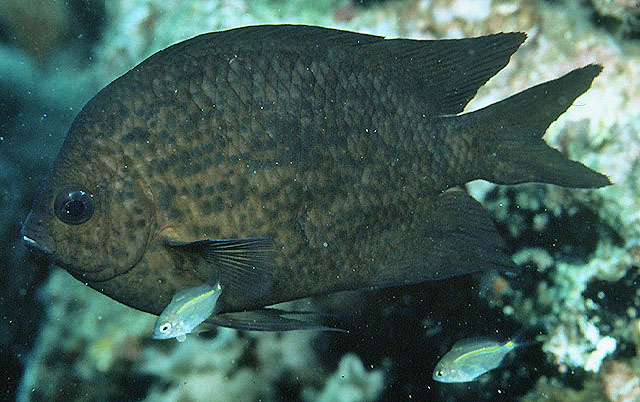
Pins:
x: 512, y: 148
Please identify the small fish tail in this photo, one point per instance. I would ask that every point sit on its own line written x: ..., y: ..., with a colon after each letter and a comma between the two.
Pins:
x: 512, y: 149
x: 529, y: 336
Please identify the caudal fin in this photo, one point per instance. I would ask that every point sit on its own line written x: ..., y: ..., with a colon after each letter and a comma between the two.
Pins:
x: 513, y: 130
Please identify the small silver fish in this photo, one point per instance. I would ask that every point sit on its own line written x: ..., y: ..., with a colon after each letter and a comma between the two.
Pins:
x: 188, y: 308
x: 470, y: 358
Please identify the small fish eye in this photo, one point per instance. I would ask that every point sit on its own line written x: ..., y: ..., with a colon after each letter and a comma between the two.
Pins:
x: 439, y: 373
x: 73, y: 205
x: 165, y: 327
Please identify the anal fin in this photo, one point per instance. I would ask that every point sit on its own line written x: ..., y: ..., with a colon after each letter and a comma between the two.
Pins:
x: 456, y: 238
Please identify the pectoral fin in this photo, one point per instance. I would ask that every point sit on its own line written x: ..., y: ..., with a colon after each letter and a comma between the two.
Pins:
x: 244, y: 267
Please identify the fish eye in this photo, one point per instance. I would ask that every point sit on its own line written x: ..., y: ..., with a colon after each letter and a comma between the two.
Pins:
x: 73, y: 205
x: 165, y: 327
x: 439, y: 373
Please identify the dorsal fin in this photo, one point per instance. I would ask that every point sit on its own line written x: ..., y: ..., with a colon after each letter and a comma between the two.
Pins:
x: 446, y: 73
x: 306, y: 34
x: 253, y: 35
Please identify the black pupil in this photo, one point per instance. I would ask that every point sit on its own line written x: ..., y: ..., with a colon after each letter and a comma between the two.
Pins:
x: 74, y: 208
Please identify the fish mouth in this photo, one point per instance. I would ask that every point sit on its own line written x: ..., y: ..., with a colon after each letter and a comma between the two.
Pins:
x: 36, y: 239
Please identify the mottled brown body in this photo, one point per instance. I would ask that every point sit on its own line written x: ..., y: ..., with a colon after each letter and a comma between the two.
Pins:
x: 314, y: 138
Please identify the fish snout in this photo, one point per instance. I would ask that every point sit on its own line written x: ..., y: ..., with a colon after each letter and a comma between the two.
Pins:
x: 36, y: 238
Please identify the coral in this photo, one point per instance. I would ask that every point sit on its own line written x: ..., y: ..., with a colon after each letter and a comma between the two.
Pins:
x: 550, y: 390
x: 198, y: 368
x: 38, y: 26
x: 46, y: 28
x: 626, y: 14
x: 620, y: 383
x: 578, y: 345
x: 85, y: 340
x: 140, y: 28
x: 350, y: 383
x: 91, y: 344
x: 581, y: 245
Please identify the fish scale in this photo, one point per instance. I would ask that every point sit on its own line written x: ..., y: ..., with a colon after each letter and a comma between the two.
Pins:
x: 293, y: 161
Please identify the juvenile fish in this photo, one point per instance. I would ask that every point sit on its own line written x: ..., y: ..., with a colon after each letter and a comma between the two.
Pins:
x: 188, y: 308
x: 470, y: 358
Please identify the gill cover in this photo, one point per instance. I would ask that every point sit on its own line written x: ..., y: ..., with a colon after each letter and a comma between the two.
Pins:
x: 92, y: 214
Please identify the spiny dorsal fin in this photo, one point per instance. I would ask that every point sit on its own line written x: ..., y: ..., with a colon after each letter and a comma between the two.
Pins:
x: 446, y: 73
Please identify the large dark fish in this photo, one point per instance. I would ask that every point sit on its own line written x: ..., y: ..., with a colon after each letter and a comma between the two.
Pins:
x: 290, y: 161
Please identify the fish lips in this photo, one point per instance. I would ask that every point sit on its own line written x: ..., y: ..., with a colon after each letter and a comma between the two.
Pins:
x: 36, y: 238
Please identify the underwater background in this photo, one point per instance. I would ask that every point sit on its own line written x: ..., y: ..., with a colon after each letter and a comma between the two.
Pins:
x: 578, y: 293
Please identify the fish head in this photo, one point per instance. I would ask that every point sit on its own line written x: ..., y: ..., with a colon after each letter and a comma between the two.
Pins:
x: 91, y: 215
x: 167, y: 327
x: 447, y: 374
